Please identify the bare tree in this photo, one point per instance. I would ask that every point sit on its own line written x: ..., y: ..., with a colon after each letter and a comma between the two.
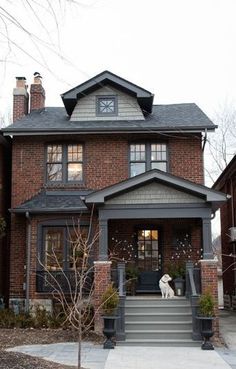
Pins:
x: 74, y: 290
x: 221, y: 145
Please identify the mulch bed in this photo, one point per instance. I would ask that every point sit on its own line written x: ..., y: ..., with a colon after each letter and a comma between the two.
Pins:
x: 18, y: 337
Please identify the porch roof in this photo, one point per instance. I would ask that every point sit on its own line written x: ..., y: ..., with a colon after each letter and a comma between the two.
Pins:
x: 54, y: 201
x: 207, y: 195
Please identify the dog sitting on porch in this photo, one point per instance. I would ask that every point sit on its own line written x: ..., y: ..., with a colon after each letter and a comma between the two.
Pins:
x: 166, y: 290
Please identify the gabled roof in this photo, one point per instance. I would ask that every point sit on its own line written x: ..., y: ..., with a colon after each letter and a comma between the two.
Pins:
x: 227, y: 173
x: 54, y: 201
x: 164, y: 118
x: 144, y: 97
x: 210, y: 196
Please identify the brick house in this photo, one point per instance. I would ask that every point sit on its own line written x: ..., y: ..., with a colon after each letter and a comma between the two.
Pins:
x: 138, y: 164
x: 5, y: 199
x: 226, y: 183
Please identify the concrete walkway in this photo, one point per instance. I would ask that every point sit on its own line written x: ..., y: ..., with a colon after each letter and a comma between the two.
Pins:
x: 95, y: 357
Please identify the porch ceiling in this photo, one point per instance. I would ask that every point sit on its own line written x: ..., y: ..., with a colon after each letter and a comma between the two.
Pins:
x: 157, y: 188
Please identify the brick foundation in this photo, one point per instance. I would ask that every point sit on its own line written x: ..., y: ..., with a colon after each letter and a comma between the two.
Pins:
x: 209, y: 282
x: 102, y: 278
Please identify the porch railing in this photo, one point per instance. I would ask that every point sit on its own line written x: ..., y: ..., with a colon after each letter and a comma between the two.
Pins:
x: 65, y: 281
x: 118, y: 278
x: 193, y: 288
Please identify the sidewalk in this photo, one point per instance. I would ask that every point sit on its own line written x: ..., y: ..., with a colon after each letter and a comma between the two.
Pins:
x: 95, y: 357
x: 228, y: 333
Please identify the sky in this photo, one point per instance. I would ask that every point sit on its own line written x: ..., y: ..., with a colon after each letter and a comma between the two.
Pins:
x: 180, y: 50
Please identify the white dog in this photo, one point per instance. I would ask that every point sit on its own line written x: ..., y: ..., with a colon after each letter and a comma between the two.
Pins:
x: 166, y: 290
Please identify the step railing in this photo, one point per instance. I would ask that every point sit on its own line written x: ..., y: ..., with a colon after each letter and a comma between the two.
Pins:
x: 192, y: 293
x: 118, y: 278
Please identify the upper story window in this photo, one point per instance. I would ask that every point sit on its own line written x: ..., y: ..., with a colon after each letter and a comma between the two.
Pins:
x: 106, y: 105
x: 147, y: 156
x: 64, y: 163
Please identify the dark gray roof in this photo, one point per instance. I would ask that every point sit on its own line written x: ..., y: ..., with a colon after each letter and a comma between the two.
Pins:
x: 144, y: 97
x: 54, y: 201
x: 174, y: 117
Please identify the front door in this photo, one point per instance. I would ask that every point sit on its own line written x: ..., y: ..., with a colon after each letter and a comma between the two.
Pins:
x: 149, y: 260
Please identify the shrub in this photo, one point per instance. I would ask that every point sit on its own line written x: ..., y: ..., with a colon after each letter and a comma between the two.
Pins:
x: 110, y: 300
x: 206, y: 305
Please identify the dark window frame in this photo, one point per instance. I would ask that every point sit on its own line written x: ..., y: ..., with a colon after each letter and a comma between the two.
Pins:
x: 148, y: 153
x: 61, y: 224
x: 106, y: 114
x: 64, y: 162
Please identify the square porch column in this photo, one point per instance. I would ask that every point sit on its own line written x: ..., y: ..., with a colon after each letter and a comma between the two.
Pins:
x: 207, y: 239
x: 102, y: 278
x: 209, y: 282
x: 103, y: 240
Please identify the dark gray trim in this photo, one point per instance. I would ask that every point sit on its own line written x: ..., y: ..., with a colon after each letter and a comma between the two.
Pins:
x: 206, y: 239
x: 147, y: 213
x: 100, y: 97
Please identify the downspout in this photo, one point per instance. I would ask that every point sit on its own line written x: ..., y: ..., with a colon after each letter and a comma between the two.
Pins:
x: 203, y: 147
x: 233, y: 224
x: 28, y: 253
x: 204, y: 140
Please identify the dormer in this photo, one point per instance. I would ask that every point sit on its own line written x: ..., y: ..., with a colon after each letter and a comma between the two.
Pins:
x: 107, y: 97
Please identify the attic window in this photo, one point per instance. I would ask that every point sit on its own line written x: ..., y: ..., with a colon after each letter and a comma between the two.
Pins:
x: 106, y: 105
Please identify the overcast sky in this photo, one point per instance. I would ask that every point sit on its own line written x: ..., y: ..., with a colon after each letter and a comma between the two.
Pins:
x: 181, y: 50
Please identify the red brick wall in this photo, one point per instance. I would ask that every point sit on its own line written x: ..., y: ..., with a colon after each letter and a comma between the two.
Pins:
x: 105, y: 162
x: 186, y: 158
x: 122, y: 235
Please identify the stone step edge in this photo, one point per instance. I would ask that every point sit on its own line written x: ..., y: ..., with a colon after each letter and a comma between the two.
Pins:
x: 157, y: 314
x: 163, y: 322
x: 157, y: 306
x: 158, y: 331
x: 161, y: 340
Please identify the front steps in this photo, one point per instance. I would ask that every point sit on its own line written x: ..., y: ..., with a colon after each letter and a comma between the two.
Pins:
x: 152, y: 321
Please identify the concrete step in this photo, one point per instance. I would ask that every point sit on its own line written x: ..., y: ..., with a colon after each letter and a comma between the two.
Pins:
x: 136, y: 300
x: 160, y: 342
x: 158, y: 334
x: 160, y: 309
x: 162, y: 325
x: 157, y: 317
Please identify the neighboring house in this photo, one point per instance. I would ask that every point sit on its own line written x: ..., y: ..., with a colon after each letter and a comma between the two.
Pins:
x: 227, y: 184
x: 140, y: 165
x: 5, y: 200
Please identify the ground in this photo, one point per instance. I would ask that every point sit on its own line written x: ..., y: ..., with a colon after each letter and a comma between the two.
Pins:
x: 18, y: 337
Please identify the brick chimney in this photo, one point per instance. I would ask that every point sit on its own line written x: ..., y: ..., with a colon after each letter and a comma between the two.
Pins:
x: 20, y: 99
x: 37, y: 93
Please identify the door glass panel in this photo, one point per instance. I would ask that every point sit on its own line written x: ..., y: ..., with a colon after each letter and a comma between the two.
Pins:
x: 148, y: 254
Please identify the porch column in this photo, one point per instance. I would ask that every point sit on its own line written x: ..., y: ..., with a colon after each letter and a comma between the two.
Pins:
x: 102, y: 278
x: 103, y: 240
x: 209, y: 282
x: 206, y: 239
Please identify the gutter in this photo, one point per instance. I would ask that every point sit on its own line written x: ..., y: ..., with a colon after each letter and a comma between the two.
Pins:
x: 28, y: 255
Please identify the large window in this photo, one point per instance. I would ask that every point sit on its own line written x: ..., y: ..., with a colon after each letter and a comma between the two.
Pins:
x: 147, y: 156
x: 58, y: 245
x: 64, y: 163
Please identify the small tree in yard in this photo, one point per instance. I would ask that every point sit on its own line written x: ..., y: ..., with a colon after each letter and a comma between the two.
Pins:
x: 76, y: 297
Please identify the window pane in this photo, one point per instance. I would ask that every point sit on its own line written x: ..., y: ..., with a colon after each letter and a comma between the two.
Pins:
x: 137, y: 152
x: 54, y: 248
x: 154, y: 235
x: 158, y: 152
x: 159, y: 165
x: 75, y: 172
x: 54, y: 172
x: 75, y: 152
x: 54, y: 153
x: 137, y: 168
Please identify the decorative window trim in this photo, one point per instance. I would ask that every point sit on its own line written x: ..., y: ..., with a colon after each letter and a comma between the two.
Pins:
x: 147, y: 154
x: 64, y: 162
x: 106, y: 114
